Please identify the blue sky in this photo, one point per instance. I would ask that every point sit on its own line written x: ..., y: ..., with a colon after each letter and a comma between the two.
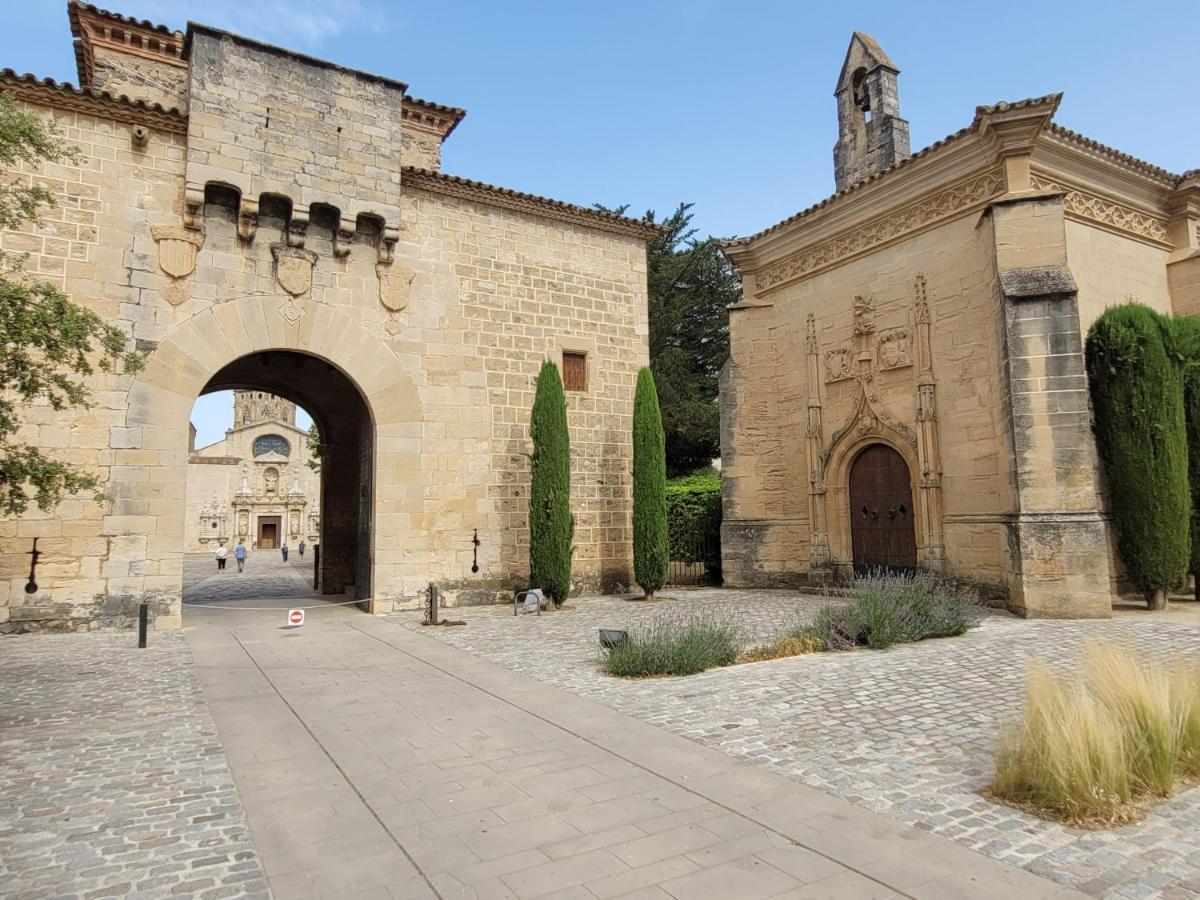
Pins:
x: 725, y: 104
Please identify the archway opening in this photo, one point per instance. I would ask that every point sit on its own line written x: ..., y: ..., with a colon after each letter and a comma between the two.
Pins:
x: 289, y: 480
x: 882, y: 520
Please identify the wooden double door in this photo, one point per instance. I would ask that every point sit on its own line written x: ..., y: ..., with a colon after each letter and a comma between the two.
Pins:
x: 269, y: 530
x: 881, y: 511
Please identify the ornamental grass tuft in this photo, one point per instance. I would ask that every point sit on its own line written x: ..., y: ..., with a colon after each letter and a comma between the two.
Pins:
x: 1095, y: 748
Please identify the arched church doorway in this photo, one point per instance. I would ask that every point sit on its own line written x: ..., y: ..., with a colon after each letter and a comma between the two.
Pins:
x: 881, y: 511
x: 257, y: 488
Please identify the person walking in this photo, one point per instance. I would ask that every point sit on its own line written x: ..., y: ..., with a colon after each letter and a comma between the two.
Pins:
x: 222, y: 555
x: 239, y: 553
x: 283, y: 550
x: 301, y: 548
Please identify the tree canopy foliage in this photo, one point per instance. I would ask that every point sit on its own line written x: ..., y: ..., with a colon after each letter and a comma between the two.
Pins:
x: 49, y: 345
x: 691, y: 284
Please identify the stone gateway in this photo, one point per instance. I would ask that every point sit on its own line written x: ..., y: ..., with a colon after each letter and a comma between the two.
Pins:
x: 262, y: 221
x: 906, y: 382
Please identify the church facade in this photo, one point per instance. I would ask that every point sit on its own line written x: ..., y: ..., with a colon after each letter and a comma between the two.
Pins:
x: 259, y: 484
x: 906, y: 384
x: 260, y: 220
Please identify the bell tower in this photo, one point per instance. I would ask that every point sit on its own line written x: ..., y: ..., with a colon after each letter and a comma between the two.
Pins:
x: 871, y: 134
x: 254, y: 407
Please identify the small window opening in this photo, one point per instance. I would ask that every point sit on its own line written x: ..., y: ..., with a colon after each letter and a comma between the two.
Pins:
x: 574, y: 370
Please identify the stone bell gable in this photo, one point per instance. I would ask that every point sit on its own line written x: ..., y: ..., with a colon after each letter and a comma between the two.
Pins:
x: 906, y: 378
x: 259, y: 220
x: 871, y: 134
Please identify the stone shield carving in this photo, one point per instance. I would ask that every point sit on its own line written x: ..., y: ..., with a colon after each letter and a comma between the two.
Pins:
x: 293, y: 268
x: 894, y: 349
x: 839, y: 364
x: 395, y: 285
x: 177, y: 249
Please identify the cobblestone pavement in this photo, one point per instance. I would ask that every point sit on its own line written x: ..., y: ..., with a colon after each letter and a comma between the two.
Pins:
x: 909, y: 732
x: 113, y: 779
x: 266, y: 576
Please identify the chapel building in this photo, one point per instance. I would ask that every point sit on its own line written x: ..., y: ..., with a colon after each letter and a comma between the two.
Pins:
x: 906, y: 384
x: 259, y: 220
x: 260, y: 484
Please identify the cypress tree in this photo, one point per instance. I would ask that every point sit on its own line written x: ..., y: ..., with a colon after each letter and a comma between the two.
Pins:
x: 1137, y: 399
x: 1186, y: 331
x: 650, y: 550
x: 551, y: 525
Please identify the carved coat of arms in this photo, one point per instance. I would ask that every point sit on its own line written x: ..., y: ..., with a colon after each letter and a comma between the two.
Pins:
x: 177, y: 249
x: 839, y: 364
x: 293, y: 268
x: 395, y: 285
x: 894, y: 350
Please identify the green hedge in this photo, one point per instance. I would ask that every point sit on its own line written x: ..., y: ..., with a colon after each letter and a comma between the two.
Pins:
x: 694, y: 519
x: 1137, y: 398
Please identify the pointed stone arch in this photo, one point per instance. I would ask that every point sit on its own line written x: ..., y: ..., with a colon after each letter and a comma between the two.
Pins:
x: 869, y: 424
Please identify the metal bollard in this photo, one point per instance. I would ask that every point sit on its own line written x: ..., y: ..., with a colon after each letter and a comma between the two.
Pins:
x: 316, y: 566
x: 431, y: 614
x: 143, y: 624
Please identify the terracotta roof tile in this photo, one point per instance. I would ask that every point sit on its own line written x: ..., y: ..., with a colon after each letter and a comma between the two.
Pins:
x: 30, y: 86
x: 467, y: 189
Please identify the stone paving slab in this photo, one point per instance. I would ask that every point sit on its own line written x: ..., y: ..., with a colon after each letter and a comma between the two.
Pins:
x: 112, y: 779
x: 374, y: 762
x: 909, y: 732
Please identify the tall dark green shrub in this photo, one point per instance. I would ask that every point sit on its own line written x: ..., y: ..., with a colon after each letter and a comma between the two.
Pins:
x: 551, y: 525
x: 649, y: 488
x: 1137, y: 398
x: 1186, y: 330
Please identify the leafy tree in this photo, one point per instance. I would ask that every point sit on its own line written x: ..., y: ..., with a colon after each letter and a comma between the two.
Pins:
x: 312, y: 442
x: 551, y: 525
x: 48, y: 344
x: 1137, y: 398
x: 1186, y: 331
x: 691, y: 284
x: 650, y: 556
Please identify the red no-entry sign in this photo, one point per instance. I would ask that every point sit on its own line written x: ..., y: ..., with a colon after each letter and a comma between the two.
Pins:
x: 295, y: 617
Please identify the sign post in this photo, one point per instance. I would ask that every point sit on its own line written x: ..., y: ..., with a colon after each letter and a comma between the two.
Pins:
x: 295, y: 618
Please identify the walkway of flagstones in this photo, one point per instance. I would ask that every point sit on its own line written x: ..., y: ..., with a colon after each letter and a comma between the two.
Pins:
x: 908, y: 732
x: 373, y: 762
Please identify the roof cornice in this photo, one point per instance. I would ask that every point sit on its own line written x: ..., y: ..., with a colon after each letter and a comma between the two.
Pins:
x: 505, y: 198
x: 94, y: 27
x: 119, y: 108
x: 432, y: 116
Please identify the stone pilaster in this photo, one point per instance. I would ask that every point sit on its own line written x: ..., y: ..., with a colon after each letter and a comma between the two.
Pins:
x: 1058, y: 564
x: 819, y: 559
x: 929, y: 454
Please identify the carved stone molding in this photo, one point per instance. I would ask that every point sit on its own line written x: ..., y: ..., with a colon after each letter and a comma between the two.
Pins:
x: 290, y: 311
x: 864, y: 316
x: 810, y: 332
x: 293, y: 268
x: 869, y: 419
x: 1082, y: 205
x: 942, y: 205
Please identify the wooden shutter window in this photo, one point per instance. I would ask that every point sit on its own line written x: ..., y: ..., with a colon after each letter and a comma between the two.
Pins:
x: 574, y: 369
